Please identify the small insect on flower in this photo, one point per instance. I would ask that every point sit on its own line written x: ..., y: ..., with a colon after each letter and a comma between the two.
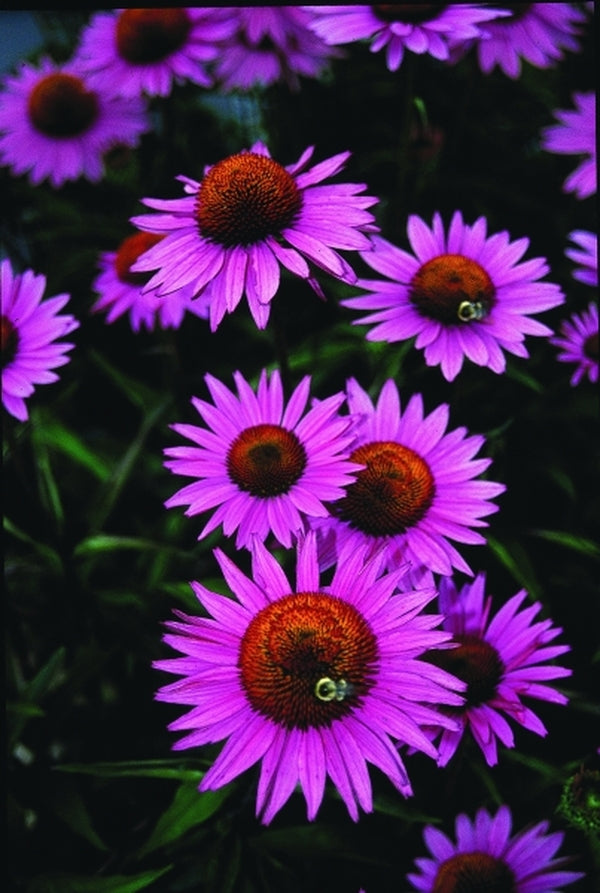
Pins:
x: 328, y: 689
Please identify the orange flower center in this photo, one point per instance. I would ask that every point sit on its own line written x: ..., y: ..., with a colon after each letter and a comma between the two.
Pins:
x: 411, y: 13
x: 145, y: 36
x: 129, y: 251
x: 474, y: 873
x: 246, y: 197
x: 452, y: 289
x: 10, y: 341
x: 391, y: 494
x: 475, y: 662
x: 266, y: 460
x: 307, y: 659
x: 60, y: 106
x: 590, y: 347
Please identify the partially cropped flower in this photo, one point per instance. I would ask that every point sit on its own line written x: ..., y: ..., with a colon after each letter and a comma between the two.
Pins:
x: 244, y: 219
x: 311, y: 680
x: 486, y: 857
x: 31, y: 327
x: 578, y: 344
x: 271, y: 44
x: 538, y: 33
x: 417, y: 27
x: 121, y: 291
x: 463, y: 294
x: 586, y: 255
x: 264, y: 466
x: 576, y: 135
x: 54, y: 125
x: 503, y: 659
x: 417, y: 491
x: 143, y: 51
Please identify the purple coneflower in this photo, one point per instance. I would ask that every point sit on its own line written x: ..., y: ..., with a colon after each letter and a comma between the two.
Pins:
x: 416, y: 491
x: 245, y: 218
x: 271, y: 44
x: 313, y: 681
x: 539, y: 33
x: 54, y: 125
x: 502, y: 659
x: 578, y: 343
x: 30, y: 329
x: 121, y: 290
x: 463, y: 294
x: 576, y: 135
x: 586, y: 255
x: 142, y: 51
x: 485, y: 857
x: 417, y: 27
x: 263, y: 465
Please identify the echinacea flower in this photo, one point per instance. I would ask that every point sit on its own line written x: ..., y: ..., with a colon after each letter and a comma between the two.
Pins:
x: 586, y: 255
x: 248, y: 215
x: 271, y: 44
x: 121, y: 291
x: 463, y: 294
x: 313, y: 681
x: 486, y: 857
x: 31, y: 327
x: 575, y: 134
x: 539, y: 33
x: 417, y: 27
x: 503, y: 659
x: 417, y: 489
x: 578, y: 343
x: 54, y: 125
x: 142, y: 51
x: 263, y: 465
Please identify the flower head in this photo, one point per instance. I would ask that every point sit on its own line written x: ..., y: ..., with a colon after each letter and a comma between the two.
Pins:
x: 30, y: 329
x: 265, y: 466
x: 248, y: 215
x: 578, y: 343
x: 137, y: 51
x: 539, y: 33
x: 271, y: 44
x: 463, y: 294
x: 417, y: 27
x: 486, y: 857
x: 576, y: 135
x: 121, y: 290
x: 416, y: 491
x: 314, y: 680
x: 502, y: 659
x: 55, y: 125
x: 586, y: 254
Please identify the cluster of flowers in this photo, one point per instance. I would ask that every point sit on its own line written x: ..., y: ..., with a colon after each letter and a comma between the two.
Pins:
x: 317, y: 679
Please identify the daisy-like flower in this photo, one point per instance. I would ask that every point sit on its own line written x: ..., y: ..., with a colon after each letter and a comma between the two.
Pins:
x: 31, y: 328
x: 539, y: 33
x: 271, y: 44
x: 416, y: 490
x: 313, y: 681
x: 121, y: 290
x: 54, y: 125
x: 248, y: 215
x: 576, y: 135
x: 267, y: 466
x: 463, y: 294
x: 486, y: 857
x: 586, y: 255
x: 417, y: 27
x: 502, y: 659
x: 142, y: 51
x: 578, y: 343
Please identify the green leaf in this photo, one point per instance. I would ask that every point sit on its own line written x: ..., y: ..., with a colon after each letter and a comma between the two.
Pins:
x: 512, y: 555
x: 570, y: 541
x: 105, y: 543
x: 55, y: 435
x: 69, y: 806
x: 134, y: 769
x: 48, y: 554
x: 136, y: 391
x: 117, y: 883
x: 188, y: 809
x: 50, y: 676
